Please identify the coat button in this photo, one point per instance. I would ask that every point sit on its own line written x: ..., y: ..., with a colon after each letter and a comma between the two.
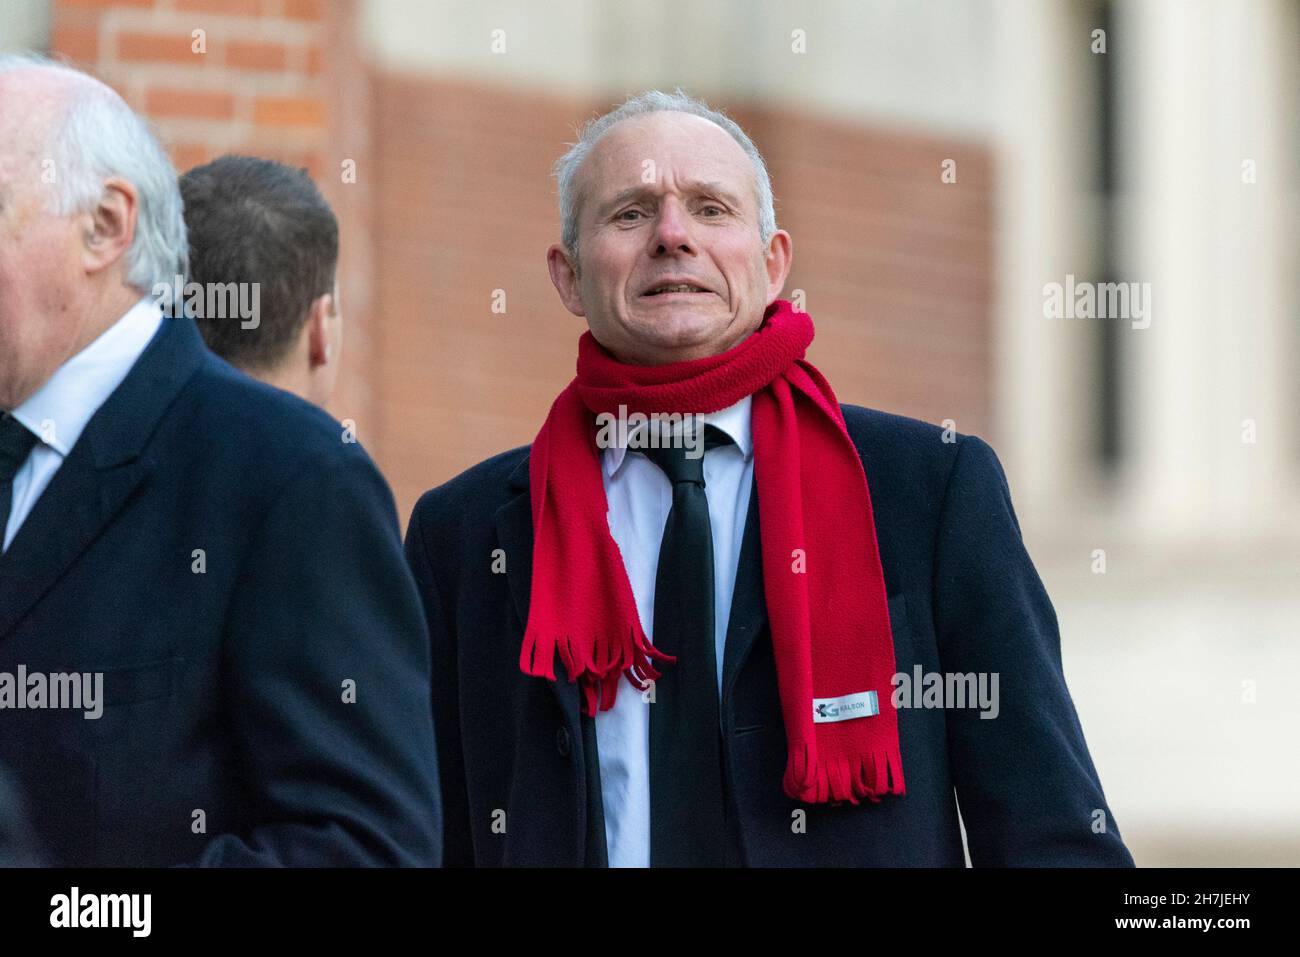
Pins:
x: 563, y: 742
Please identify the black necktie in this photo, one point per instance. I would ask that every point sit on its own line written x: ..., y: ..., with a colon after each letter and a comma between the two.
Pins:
x: 688, y: 824
x: 15, y: 443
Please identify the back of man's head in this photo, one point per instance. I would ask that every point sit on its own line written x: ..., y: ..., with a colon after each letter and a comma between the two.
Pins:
x: 256, y: 221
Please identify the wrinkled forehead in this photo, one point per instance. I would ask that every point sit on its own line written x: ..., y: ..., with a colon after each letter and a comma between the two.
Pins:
x: 644, y: 150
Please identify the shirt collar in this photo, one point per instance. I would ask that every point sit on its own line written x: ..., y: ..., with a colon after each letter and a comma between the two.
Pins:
x: 58, y: 412
x: 734, y: 420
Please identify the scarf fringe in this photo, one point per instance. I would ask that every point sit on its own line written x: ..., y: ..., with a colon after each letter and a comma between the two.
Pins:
x: 631, y: 657
x: 862, y: 775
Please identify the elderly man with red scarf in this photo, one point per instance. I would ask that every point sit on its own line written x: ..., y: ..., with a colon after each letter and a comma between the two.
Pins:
x: 668, y: 632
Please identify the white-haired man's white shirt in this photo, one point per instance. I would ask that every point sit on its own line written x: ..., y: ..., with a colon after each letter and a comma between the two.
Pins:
x: 59, y: 411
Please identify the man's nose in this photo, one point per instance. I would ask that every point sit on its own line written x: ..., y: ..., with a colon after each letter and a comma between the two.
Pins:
x: 672, y: 232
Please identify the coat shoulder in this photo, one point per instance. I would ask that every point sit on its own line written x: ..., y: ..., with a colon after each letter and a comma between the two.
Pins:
x: 267, y: 435
x: 904, y: 442
x: 877, y: 425
x: 484, y: 487
x: 908, y: 461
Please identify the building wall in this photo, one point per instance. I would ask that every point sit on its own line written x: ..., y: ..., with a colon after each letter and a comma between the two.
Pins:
x: 24, y: 24
x: 452, y: 200
x: 1174, y: 577
x: 899, y: 65
x: 893, y: 263
x: 275, y: 78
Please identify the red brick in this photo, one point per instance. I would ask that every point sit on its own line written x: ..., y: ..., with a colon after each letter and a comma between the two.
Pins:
x: 237, y: 8
x: 190, y: 104
x: 79, y: 44
x: 251, y: 55
x: 297, y: 111
x: 159, y: 47
x: 315, y: 60
x: 76, y: 18
x: 186, y: 156
x: 298, y: 159
x: 304, y: 9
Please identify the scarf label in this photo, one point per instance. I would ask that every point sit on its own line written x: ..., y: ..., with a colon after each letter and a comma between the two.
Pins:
x: 845, y: 708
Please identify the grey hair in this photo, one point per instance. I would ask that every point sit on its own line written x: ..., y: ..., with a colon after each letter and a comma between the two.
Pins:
x: 98, y: 136
x: 656, y: 101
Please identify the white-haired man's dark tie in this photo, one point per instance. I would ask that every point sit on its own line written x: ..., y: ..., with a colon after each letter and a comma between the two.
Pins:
x: 16, y: 443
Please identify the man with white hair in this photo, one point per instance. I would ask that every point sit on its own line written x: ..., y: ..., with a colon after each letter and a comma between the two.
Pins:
x: 692, y: 541
x: 211, y: 651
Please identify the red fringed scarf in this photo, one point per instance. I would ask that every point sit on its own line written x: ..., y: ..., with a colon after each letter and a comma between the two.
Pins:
x: 821, y: 567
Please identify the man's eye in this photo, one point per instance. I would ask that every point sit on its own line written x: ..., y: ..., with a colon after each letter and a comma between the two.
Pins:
x: 714, y: 209
x: 629, y: 212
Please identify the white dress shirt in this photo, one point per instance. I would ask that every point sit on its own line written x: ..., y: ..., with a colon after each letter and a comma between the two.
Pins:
x: 57, y: 412
x: 639, y: 497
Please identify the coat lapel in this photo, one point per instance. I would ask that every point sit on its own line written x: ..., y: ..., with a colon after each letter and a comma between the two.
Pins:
x: 80, y: 500
x: 514, y: 522
x: 100, y: 474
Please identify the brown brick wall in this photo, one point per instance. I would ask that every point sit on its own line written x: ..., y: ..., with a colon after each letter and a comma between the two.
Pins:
x: 453, y: 199
x: 259, y: 86
x: 243, y: 85
x: 894, y: 264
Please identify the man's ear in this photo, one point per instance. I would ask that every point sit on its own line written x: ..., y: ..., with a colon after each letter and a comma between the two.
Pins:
x: 564, y: 276
x: 110, y: 226
x: 319, y: 349
x: 779, y: 256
